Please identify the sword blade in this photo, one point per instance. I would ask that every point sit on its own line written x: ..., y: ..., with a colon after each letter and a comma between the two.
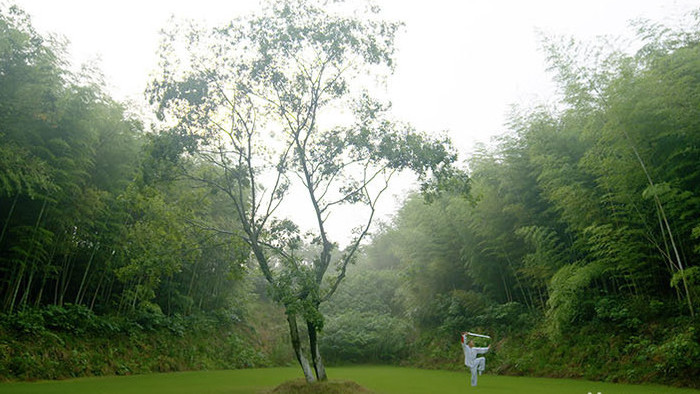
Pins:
x: 478, y: 335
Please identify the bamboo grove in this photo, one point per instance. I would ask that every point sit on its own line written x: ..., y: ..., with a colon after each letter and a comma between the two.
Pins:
x: 590, y: 200
x: 583, y: 228
x: 87, y: 218
x: 594, y: 197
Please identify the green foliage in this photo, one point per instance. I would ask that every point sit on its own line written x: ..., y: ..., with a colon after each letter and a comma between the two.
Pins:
x: 691, y: 277
x: 255, y: 100
x: 505, y: 319
x: 679, y: 354
x: 459, y: 309
x: 363, y: 322
x: 581, y: 243
x: 356, y: 337
x: 60, y: 342
x: 21, y: 172
x: 548, y: 254
x: 572, y: 295
x: 87, y: 223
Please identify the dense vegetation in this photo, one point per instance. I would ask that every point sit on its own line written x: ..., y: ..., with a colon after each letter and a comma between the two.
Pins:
x: 578, y: 249
x: 92, y: 226
x: 87, y: 218
x: 70, y: 341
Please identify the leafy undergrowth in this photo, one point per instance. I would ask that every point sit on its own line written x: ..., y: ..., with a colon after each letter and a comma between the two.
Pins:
x: 300, y: 386
x: 71, y: 341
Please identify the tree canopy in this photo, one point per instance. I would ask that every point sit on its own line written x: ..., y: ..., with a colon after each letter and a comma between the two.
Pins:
x: 281, y: 103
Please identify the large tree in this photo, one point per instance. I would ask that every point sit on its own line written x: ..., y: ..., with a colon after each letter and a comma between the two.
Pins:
x: 280, y: 104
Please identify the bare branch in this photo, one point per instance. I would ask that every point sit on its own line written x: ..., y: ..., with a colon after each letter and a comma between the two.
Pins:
x: 359, y: 189
x: 349, y: 254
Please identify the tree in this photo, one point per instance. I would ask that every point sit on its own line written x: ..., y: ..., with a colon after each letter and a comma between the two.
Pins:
x: 264, y: 100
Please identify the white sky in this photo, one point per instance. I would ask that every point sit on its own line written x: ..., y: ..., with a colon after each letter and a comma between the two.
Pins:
x: 461, y: 64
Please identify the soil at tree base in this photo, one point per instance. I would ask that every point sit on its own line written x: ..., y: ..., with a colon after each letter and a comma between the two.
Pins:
x: 300, y: 386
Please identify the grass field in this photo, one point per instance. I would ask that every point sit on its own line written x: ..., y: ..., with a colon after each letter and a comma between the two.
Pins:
x: 380, y: 379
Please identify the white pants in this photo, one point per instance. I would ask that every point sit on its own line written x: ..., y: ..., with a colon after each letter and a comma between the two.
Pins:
x: 477, y: 368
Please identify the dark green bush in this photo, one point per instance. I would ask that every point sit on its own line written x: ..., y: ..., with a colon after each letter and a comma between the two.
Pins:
x: 27, y: 322
x: 357, y: 337
x: 70, y: 341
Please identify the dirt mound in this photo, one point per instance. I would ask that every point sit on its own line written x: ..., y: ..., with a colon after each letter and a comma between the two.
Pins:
x: 330, y: 387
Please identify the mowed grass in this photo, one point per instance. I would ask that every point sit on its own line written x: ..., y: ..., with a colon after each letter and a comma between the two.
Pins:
x: 380, y: 379
x: 390, y: 380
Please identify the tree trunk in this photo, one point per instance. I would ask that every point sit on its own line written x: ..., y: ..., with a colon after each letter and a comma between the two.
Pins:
x: 37, y: 300
x: 9, y: 216
x: 506, y: 290
x: 47, y: 270
x: 26, y: 260
x: 97, y: 289
x: 316, y: 354
x: 296, y: 344
x: 59, y: 280
x: 66, y: 276
x: 530, y: 305
x: 665, y: 224
x: 28, y: 287
x: 678, y: 261
x: 82, y: 289
x: 107, y: 295
x: 17, y: 285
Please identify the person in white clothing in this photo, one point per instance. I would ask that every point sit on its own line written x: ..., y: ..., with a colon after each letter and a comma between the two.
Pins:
x: 476, y: 364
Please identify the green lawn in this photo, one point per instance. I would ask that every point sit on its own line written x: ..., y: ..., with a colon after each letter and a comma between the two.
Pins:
x: 383, y: 380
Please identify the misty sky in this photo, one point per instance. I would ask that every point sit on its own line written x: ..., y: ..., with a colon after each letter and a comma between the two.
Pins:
x: 461, y: 64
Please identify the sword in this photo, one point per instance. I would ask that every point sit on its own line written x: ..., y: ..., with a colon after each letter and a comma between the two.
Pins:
x: 478, y: 335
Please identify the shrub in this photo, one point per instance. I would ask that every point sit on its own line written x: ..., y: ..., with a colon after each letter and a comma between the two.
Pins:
x: 357, y: 337
x: 71, y: 341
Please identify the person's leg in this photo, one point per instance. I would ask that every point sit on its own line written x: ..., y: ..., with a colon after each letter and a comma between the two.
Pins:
x: 474, y: 375
x: 480, y: 364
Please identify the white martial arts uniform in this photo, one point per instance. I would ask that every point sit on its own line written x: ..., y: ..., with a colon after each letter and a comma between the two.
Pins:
x: 476, y: 364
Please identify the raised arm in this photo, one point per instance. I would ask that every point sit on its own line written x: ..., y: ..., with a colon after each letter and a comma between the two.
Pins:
x: 482, y: 350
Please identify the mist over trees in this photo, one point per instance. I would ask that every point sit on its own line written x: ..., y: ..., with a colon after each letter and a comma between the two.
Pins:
x: 583, y: 237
